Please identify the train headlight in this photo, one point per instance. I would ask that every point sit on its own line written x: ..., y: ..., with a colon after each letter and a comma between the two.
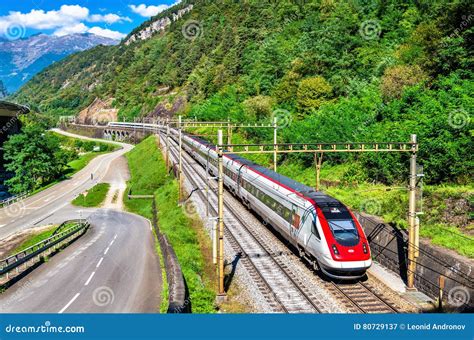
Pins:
x: 334, y: 249
x: 364, y: 246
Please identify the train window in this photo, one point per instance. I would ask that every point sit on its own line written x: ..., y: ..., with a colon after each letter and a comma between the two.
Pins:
x: 344, y: 232
x: 314, y: 230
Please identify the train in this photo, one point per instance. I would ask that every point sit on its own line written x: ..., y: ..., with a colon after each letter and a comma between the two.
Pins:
x: 324, y: 231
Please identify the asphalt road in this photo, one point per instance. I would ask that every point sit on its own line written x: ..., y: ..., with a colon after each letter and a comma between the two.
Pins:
x: 113, y: 268
x: 36, y: 210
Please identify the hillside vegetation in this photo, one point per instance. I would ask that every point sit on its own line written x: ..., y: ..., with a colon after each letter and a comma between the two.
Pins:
x: 330, y: 71
x: 336, y: 70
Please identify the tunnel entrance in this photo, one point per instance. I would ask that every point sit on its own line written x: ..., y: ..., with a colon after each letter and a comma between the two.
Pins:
x: 9, y: 124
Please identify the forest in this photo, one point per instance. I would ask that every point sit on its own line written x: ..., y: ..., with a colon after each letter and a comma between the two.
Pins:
x: 331, y: 71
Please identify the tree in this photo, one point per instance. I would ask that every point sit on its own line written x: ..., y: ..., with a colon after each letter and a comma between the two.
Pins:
x: 312, y: 92
x: 34, y: 157
x: 259, y: 106
x: 396, y: 78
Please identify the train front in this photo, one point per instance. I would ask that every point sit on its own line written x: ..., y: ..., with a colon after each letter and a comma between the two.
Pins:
x: 347, y: 254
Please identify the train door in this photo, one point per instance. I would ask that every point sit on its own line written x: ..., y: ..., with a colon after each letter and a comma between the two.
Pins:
x: 315, y: 239
x: 240, y: 181
x: 295, y: 222
x: 208, y: 164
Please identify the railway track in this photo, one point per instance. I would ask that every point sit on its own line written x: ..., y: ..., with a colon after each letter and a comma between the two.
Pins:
x: 278, y: 282
x: 361, y: 298
x: 283, y: 291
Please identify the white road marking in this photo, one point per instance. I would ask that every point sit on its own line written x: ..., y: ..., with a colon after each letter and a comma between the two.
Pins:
x: 100, y: 261
x: 115, y: 236
x: 112, y: 242
x: 89, y: 279
x: 106, y: 250
x: 69, y: 303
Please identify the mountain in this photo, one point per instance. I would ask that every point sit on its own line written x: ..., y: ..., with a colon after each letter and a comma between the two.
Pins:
x: 21, y: 59
x: 329, y: 70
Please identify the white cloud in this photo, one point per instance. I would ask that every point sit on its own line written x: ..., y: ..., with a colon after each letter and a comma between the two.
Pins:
x: 108, y: 18
x: 69, y: 18
x: 74, y: 29
x: 148, y: 11
x: 104, y: 32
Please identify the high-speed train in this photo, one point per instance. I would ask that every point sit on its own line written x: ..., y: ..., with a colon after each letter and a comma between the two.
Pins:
x: 324, y: 230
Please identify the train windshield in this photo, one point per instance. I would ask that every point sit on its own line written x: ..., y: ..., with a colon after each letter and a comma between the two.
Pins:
x: 345, y: 232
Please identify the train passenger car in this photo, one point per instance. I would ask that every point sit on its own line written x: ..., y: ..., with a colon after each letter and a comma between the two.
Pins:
x: 324, y: 230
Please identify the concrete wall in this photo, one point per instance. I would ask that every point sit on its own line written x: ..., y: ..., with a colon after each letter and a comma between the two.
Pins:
x: 389, y: 247
x: 104, y: 132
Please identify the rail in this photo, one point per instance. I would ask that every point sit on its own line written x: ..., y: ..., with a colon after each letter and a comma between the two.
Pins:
x: 8, y: 201
x: 13, y: 262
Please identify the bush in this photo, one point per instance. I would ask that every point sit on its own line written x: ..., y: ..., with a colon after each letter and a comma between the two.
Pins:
x: 312, y: 92
x: 396, y: 78
x: 259, y: 106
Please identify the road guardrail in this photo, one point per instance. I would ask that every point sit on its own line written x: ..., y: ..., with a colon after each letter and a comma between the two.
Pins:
x: 13, y: 199
x: 34, y: 254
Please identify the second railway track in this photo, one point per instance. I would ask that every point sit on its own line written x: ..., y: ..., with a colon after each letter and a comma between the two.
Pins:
x: 280, y: 284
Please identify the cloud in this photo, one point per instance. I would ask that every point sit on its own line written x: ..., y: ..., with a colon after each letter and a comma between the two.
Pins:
x: 108, y: 18
x: 69, y: 18
x: 104, y: 32
x: 148, y: 11
x: 74, y: 29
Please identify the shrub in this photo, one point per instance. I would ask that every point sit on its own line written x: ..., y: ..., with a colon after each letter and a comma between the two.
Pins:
x: 259, y: 106
x: 396, y: 78
x: 312, y: 92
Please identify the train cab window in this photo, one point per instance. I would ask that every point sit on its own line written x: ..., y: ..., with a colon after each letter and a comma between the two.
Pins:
x: 345, y: 232
x: 314, y: 230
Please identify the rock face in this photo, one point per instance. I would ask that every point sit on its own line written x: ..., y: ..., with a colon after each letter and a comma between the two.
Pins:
x: 158, y: 25
x: 21, y: 59
x: 99, y: 112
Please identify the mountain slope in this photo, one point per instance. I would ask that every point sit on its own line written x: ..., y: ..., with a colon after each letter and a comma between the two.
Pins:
x: 22, y: 59
x: 334, y: 71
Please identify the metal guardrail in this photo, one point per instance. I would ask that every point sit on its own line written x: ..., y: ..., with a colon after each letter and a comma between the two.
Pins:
x: 15, y: 261
x: 13, y: 199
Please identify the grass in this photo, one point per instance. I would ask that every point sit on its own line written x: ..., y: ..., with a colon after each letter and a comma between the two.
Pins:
x: 391, y: 203
x: 149, y: 176
x: 33, y: 239
x: 94, y: 197
x: 78, y: 164
x: 348, y: 183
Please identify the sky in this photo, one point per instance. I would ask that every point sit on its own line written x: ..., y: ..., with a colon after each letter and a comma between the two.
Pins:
x: 109, y: 18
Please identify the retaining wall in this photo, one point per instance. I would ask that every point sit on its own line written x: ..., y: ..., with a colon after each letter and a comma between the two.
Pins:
x: 389, y: 247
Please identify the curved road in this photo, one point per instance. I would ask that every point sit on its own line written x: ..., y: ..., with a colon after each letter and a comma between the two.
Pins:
x: 34, y: 210
x: 113, y: 268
